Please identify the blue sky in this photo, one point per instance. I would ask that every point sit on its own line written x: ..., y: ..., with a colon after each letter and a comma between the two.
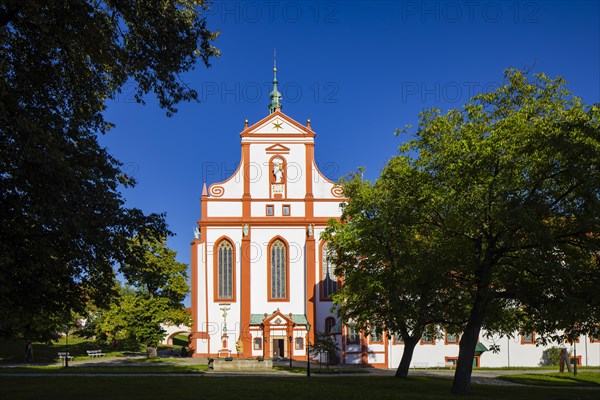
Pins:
x: 357, y: 69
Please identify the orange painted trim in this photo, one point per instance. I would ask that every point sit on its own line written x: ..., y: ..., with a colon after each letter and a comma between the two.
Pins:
x: 261, y: 200
x: 287, y: 270
x: 451, y: 358
x: 380, y: 341
x: 578, y: 360
x: 277, y: 148
x: 216, y: 297
x: 264, y: 221
x: 247, y: 132
x: 206, y: 292
x: 446, y: 341
x: 311, y: 296
x: 421, y: 342
x: 245, y: 294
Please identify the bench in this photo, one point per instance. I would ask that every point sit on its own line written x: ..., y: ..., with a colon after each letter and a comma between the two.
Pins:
x: 95, y: 353
x: 421, y: 365
x: 445, y: 364
x: 64, y: 355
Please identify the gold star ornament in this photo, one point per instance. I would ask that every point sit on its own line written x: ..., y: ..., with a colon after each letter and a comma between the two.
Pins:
x: 277, y: 125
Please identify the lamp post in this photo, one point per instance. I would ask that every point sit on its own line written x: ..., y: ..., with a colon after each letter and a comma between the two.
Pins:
x: 67, y: 347
x: 308, y: 349
x: 290, y: 339
x: 575, y: 357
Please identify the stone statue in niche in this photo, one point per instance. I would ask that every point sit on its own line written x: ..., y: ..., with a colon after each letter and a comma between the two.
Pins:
x: 278, y: 170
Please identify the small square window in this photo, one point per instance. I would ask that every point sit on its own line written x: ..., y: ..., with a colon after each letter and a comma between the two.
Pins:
x: 528, y: 338
x: 375, y: 336
x: 353, y: 335
x: 270, y: 210
x: 452, y: 338
x: 299, y: 343
x: 257, y: 343
x: 398, y: 338
x: 428, y: 336
x: 286, y: 210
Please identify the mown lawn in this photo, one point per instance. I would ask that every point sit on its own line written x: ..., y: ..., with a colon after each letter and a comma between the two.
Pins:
x: 109, y: 369
x: 558, y: 379
x: 13, y: 351
x: 261, y: 388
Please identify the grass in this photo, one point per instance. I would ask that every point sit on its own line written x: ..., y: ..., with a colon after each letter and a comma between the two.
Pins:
x: 109, y: 369
x: 261, y: 388
x: 13, y: 351
x: 558, y: 379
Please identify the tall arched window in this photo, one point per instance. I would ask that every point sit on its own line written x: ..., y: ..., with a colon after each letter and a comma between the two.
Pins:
x: 278, y: 278
x: 328, y: 278
x: 225, y: 271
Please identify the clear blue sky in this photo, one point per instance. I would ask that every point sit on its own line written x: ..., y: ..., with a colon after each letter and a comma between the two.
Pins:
x: 357, y: 69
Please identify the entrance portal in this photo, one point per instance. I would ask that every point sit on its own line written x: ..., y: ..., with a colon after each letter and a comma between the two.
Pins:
x: 278, y: 348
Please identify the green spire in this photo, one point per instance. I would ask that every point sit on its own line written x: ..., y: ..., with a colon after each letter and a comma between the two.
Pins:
x: 275, y: 95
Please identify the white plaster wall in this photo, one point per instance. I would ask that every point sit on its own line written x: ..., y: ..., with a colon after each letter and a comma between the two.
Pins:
x: 200, y: 282
x: 353, y: 358
x: 321, y: 186
x: 260, y: 171
x: 223, y: 209
x: 233, y: 186
x: 261, y: 236
x: 327, y: 209
x: 512, y: 353
x: 258, y: 208
x: 170, y: 329
x: 296, y: 176
x: 376, y: 358
x: 257, y: 353
x: 214, y: 324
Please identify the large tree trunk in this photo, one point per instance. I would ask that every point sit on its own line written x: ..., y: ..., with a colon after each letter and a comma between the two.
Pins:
x: 464, y: 367
x: 409, y: 348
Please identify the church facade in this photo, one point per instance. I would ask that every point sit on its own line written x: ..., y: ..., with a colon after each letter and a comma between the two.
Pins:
x: 261, y: 278
x: 261, y: 281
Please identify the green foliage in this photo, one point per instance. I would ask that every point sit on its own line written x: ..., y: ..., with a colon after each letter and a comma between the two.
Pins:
x: 158, y: 287
x: 498, y: 203
x: 390, y: 258
x: 326, y: 344
x: 64, y: 223
x: 551, y: 356
x: 513, y: 189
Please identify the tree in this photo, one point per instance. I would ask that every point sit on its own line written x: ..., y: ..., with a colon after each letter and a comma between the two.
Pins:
x: 326, y: 344
x: 64, y: 223
x: 155, y: 296
x: 389, y: 259
x: 515, y: 188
